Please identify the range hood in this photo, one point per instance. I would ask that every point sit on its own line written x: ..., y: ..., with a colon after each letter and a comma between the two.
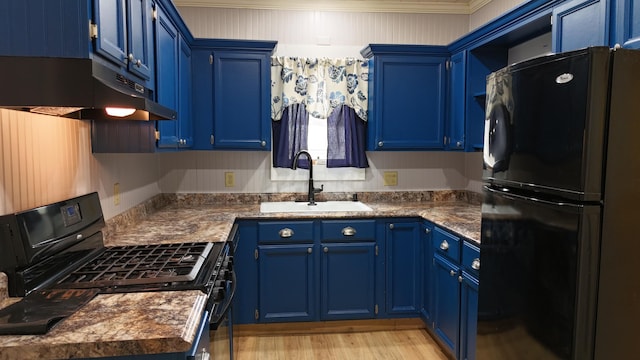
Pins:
x: 75, y: 88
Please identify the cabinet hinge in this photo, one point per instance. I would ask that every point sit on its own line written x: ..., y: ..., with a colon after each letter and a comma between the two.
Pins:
x: 210, y: 59
x: 212, y: 139
x: 93, y: 30
x: 155, y: 14
x: 375, y: 309
x: 376, y: 249
x: 256, y: 314
x: 255, y: 254
x: 448, y: 64
x: 551, y: 21
x: 157, y: 135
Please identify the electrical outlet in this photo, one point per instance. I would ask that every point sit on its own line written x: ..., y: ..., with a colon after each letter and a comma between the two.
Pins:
x: 229, y: 179
x: 116, y: 194
x: 390, y: 178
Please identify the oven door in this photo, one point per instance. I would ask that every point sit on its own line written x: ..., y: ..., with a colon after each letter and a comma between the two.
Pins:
x: 221, y: 324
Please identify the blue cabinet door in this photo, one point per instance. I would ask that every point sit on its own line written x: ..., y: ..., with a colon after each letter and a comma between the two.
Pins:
x: 139, y: 38
x: 408, y: 108
x: 468, y: 317
x: 202, y: 97
x: 111, y: 40
x: 627, y: 24
x: 456, y: 116
x: 348, y: 281
x: 446, y: 305
x: 245, y: 266
x: 124, y: 34
x: 286, y: 282
x: 404, y: 268
x: 167, y: 42
x: 427, y: 274
x: 185, y: 119
x: 241, y: 93
x: 580, y: 23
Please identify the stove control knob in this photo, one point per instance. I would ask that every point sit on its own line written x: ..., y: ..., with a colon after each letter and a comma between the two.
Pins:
x: 219, y: 283
x: 218, y: 293
x: 223, y: 274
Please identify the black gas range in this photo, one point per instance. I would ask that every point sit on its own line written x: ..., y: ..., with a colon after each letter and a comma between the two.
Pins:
x: 58, y: 249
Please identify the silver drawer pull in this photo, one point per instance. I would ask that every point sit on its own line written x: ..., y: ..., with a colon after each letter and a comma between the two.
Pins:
x: 444, y: 245
x: 348, y: 231
x: 285, y: 233
x: 475, y: 264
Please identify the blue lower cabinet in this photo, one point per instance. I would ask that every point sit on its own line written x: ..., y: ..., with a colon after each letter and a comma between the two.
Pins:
x: 404, y: 268
x: 468, y: 317
x: 286, y: 283
x: 348, y: 281
x: 427, y: 274
x: 446, y: 307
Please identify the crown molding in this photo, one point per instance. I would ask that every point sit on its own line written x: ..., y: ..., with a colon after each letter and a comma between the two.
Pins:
x: 376, y: 6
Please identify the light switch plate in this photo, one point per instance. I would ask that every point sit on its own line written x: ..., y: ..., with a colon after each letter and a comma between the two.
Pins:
x: 229, y: 179
x: 390, y: 178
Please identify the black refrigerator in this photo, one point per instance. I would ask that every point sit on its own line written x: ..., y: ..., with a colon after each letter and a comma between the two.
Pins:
x: 560, y: 243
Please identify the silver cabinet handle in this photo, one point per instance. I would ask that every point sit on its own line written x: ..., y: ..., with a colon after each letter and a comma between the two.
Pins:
x: 380, y: 143
x: 459, y: 279
x: 130, y: 57
x: 326, y: 249
x: 309, y: 250
x: 391, y: 226
x: 444, y: 245
x: 459, y: 143
x: 138, y: 63
x: 475, y: 264
x: 285, y: 233
x: 427, y: 230
x: 348, y: 231
x: 452, y: 273
x: 263, y: 143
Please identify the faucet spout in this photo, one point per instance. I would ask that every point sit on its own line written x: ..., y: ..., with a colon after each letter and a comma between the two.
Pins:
x: 312, y: 191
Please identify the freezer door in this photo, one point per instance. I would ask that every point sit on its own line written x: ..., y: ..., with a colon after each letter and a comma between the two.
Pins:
x: 545, y: 124
x: 538, y: 276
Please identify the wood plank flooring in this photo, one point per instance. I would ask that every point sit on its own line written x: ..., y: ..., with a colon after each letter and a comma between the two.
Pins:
x: 388, y: 345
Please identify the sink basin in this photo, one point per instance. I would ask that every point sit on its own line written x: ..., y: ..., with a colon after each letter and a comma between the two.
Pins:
x: 301, y: 207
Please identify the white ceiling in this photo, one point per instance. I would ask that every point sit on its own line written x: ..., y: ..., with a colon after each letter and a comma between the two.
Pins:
x: 384, y: 6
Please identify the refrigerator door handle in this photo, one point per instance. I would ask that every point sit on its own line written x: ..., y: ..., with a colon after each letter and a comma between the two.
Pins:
x: 508, y: 194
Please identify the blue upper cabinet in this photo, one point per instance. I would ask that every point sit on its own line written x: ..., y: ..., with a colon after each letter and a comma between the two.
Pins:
x: 580, y: 23
x: 231, y: 85
x: 407, y: 92
x: 124, y: 34
x: 455, y: 139
x: 185, y: 103
x: 54, y: 28
x: 627, y: 24
x: 167, y: 42
x: 241, y: 89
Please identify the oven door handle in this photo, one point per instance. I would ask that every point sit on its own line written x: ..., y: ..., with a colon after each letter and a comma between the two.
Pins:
x: 219, y: 315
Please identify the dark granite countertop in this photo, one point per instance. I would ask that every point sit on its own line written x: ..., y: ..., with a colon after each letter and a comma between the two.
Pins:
x: 146, y: 323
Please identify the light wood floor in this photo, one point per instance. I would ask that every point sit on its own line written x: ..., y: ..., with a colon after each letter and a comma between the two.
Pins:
x: 388, y: 345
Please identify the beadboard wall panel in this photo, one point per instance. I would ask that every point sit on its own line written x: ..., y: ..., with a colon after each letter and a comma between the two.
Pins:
x: 44, y: 159
x: 325, y: 28
x: 491, y: 11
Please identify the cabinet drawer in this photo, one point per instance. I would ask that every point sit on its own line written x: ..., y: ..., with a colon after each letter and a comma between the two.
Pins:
x: 446, y: 244
x: 470, y: 258
x: 285, y: 232
x: 352, y: 230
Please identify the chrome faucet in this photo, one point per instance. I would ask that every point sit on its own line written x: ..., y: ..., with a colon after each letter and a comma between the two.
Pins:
x: 311, y: 196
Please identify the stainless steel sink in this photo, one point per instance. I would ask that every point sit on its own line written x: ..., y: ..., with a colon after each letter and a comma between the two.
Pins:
x: 323, y: 206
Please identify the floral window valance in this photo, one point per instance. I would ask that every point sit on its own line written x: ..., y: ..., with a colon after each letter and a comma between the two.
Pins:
x: 321, y: 85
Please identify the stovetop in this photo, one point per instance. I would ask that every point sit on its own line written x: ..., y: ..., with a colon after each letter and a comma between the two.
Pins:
x: 142, y: 264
